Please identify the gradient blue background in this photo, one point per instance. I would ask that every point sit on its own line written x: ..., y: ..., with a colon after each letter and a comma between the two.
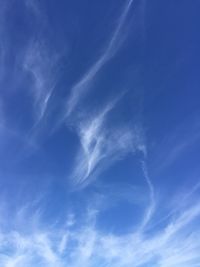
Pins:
x: 99, y: 133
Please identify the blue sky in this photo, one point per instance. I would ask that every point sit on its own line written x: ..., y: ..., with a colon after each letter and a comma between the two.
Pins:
x: 99, y: 133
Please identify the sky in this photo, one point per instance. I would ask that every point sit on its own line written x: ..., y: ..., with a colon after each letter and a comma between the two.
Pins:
x: 99, y: 133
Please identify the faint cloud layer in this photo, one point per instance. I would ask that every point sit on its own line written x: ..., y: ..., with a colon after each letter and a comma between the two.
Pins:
x: 176, y: 244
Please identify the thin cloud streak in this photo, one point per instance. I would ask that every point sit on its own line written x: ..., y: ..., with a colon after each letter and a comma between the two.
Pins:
x: 41, y: 66
x: 81, y: 87
x: 152, y: 205
x: 175, y: 144
x: 41, y: 63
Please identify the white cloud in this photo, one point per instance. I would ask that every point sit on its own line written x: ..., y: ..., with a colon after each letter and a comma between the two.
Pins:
x: 176, y: 243
x: 152, y: 203
x: 42, y: 67
x: 81, y: 87
x: 32, y: 77
x: 102, y: 145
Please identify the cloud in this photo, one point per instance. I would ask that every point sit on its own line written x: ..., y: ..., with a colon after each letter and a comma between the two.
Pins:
x: 81, y: 87
x: 30, y: 77
x: 174, y: 244
x: 41, y: 65
x: 102, y: 145
x: 152, y: 202
x: 40, y: 61
x: 177, y: 143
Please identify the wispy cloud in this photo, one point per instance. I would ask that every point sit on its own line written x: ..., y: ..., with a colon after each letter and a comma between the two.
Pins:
x: 81, y: 87
x: 152, y: 202
x: 177, y: 142
x: 174, y: 244
x: 31, y: 76
x: 41, y: 64
x: 102, y: 145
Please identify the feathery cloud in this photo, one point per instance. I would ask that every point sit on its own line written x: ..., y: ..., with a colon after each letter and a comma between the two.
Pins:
x: 81, y: 87
x: 152, y: 202
x: 102, y: 145
x: 42, y: 67
x: 174, y: 244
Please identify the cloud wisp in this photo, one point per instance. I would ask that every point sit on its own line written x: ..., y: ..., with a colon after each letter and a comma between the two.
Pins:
x: 41, y: 62
x: 30, y: 77
x: 42, y: 67
x: 81, y: 87
x: 152, y: 202
x: 176, y: 143
x: 102, y: 145
x: 175, y: 244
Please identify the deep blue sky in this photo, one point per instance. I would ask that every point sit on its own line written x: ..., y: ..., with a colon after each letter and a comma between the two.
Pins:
x: 99, y: 133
